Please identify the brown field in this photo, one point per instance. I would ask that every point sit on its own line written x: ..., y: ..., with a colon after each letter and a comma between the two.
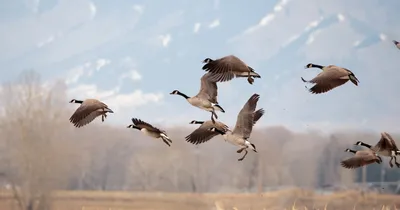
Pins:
x: 279, y: 200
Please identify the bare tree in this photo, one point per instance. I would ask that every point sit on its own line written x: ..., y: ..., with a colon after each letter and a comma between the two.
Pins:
x: 33, y: 129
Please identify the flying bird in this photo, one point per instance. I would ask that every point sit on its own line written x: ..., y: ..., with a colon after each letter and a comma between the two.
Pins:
x: 246, y: 119
x: 331, y: 77
x: 88, y: 111
x: 361, y: 158
x: 386, y: 146
x: 203, y: 132
x: 206, y: 98
x: 226, y: 68
x: 150, y: 130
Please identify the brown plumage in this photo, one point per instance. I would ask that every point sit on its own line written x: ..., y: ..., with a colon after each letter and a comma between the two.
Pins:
x: 361, y: 158
x: 150, y: 130
x: 386, y: 146
x: 226, y: 68
x: 257, y: 115
x: 247, y: 115
x: 88, y: 111
x: 331, y: 77
x: 203, y: 132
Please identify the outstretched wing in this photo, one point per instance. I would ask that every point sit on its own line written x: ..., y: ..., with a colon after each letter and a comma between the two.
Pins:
x: 361, y: 158
x: 390, y: 141
x: 257, y: 115
x: 208, y: 89
x: 203, y: 133
x: 86, y: 113
x: 245, y: 118
x: 328, y: 80
x: 223, y: 69
x: 142, y: 124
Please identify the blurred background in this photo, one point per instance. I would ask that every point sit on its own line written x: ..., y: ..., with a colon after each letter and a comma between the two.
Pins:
x: 131, y: 54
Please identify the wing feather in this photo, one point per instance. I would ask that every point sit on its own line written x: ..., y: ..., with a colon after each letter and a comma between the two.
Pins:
x: 88, y: 119
x: 84, y: 110
x: 142, y: 124
x: 257, y: 115
x: 326, y: 86
x: 361, y: 158
x: 245, y: 118
x: 203, y: 134
x: 223, y: 69
x: 390, y: 141
x: 208, y: 89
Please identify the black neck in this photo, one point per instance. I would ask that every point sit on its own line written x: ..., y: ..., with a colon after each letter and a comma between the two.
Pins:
x: 316, y: 66
x: 183, y: 95
x: 78, y: 101
x: 350, y: 150
x: 134, y: 127
x: 365, y: 145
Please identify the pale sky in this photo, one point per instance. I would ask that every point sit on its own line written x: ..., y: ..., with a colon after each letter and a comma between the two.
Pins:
x: 132, y: 54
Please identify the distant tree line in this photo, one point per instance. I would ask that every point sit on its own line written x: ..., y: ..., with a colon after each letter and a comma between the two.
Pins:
x: 42, y: 152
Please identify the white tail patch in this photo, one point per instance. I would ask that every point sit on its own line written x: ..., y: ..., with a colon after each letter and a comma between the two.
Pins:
x: 247, y: 143
x: 245, y: 74
x: 217, y: 107
x: 254, y: 74
x: 163, y: 135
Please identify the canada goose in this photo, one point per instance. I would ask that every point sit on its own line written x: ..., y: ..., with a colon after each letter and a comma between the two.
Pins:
x: 206, y: 99
x: 203, y: 132
x: 226, y: 68
x: 244, y: 126
x: 361, y: 158
x: 397, y: 44
x: 331, y: 77
x: 386, y: 146
x: 88, y: 111
x: 150, y: 130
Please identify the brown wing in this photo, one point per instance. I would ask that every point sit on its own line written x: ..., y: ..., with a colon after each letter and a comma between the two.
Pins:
x: 222, y: 77
x: 141, y: 124
x: 330, y: 74
x: 88, y: 119
x: 361, y: 158
x: 383, y: 144
x: 219, y: 125
x: 208, y: 89
x: 203, y: 134
x: 87, y: 112
x: 257, y: 115
x: 325, y: 87
x: 223, y: 69
x: 328, y: 79
x: 390, y: 141
x: 245, y: 118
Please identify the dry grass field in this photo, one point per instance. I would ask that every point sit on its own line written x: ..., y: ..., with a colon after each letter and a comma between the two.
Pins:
x: 280, y: 200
